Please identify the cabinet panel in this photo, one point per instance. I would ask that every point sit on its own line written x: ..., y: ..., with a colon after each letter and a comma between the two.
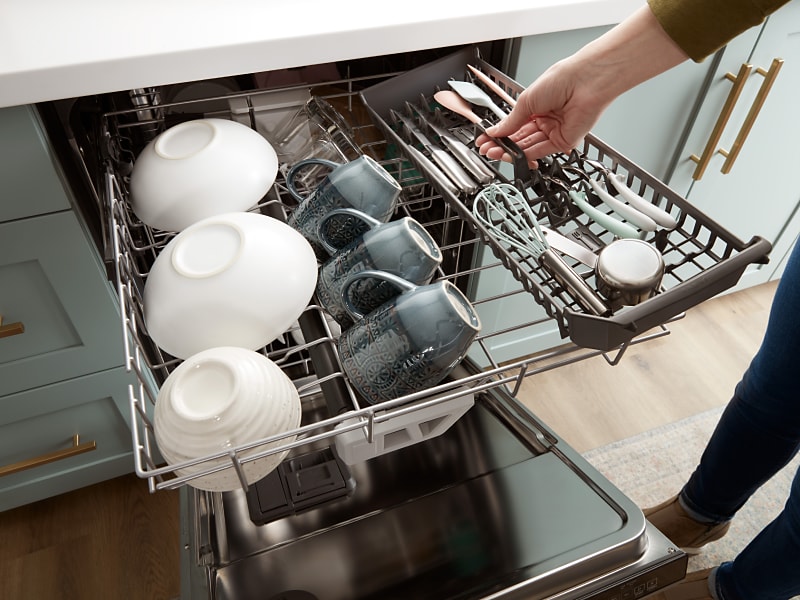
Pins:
x: 45, y: 419
x: 760, y: 194
x: 52, y: 282
x: 29, y: 184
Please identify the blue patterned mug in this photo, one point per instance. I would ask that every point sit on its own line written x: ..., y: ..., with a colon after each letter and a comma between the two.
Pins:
x: 402, y: 247
x: 409, y: 343
x: 362, y: 184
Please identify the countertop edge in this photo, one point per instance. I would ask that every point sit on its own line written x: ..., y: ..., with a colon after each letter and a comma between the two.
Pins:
x: 29, y: 74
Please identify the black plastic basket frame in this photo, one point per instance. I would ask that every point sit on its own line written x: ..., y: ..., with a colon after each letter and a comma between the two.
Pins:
x: 702, y: 258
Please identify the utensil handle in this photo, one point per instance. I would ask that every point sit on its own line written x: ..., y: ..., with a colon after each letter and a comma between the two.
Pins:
x: 658, y: 215
x: 627, y: 212
x: 490, y: 83
x: 618, y: 228
x: 567, y: 277
x: 473, y: 164
x: 434, y: 171
x: 453, y: 170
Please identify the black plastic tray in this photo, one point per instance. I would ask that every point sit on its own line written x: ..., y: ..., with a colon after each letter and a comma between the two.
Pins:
x: 702, y: 258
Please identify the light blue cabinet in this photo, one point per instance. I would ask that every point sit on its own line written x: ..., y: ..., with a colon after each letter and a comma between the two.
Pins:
x: 62, y: 380
x: 759, y: 192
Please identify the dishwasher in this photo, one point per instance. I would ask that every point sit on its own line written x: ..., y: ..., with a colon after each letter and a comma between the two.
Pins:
x: 458, y: 491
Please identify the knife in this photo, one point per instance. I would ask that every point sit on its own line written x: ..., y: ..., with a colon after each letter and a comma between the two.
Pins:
x: 441, y: 157
x: 566, y: 246
x: 472, y: 163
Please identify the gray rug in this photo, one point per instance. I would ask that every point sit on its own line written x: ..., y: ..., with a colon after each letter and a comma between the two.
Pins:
x: 654, y: 465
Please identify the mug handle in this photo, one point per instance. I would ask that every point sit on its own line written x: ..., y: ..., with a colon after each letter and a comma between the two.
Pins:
x: 371, y: 222
x: 290, y: 175
x: 403, y: 284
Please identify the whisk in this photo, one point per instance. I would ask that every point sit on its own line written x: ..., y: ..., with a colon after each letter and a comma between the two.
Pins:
x: 506, y: 213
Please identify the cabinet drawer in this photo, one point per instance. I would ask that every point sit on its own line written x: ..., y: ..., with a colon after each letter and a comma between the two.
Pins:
x: 51, y: 281
x: 29, y: 183
x: 45, y: 420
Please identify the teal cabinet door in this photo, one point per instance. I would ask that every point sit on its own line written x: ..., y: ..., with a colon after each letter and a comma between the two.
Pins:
x: 758, y: 192
x: 51, y: 281
x: 44, y: 421
x: 29, y: 182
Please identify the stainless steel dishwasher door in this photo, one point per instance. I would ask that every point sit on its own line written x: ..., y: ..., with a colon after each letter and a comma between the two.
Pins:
x: 494, y: 507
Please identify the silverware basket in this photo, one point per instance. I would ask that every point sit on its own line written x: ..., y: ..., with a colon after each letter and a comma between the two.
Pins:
x: 701, y: 258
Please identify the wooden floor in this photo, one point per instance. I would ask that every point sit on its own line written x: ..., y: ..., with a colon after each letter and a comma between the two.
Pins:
x: 116, y: 541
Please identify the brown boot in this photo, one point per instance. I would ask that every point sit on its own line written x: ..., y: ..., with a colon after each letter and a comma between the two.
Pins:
x: 671, y: 519
x: 694, y: 587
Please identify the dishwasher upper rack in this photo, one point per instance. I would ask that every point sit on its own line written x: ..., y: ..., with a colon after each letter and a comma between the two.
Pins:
x: 702, y: 258
x: 135, y: 247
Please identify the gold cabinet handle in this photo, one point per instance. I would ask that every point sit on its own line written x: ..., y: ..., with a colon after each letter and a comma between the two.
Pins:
x: 738, y: 85
x: 11, y: 328
x: 766, y: 85
x: 30, y: 463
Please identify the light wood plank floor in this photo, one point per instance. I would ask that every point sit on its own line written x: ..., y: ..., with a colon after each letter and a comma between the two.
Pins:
x: 691, y: 370
x: 115, y: 540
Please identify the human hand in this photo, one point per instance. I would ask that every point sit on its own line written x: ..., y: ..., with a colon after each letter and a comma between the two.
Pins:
x: 552, y: 115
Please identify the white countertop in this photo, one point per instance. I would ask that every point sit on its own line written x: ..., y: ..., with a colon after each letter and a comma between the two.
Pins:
x: 52, y: 49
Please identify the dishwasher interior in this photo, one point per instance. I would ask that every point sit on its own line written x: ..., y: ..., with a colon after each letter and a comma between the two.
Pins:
x: 457, y: 491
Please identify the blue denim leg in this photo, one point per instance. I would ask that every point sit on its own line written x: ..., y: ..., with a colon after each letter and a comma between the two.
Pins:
x: 758, y: 433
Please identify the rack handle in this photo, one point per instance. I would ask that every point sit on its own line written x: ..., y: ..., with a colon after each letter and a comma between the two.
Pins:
x: 11, y: 328
x: 43, y: 459
x: 766, y: 85
x: 725, y: 114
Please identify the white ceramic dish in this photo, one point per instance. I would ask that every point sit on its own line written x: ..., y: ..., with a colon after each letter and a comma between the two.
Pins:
x: 219, y: 399
x: 198, y: 169
x: 238, y: 279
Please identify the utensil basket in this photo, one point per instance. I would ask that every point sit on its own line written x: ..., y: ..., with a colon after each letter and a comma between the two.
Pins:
x: 702, y: 258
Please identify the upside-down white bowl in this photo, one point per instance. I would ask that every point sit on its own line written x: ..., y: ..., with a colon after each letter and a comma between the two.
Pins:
x: 238, y: 279
x: 217, y: 400
x: 198, y: 169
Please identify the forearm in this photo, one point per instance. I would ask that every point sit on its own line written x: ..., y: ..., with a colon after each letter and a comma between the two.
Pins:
x: 632, y: 52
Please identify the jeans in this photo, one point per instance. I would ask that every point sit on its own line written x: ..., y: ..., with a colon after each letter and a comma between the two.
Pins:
x: 757, y: 435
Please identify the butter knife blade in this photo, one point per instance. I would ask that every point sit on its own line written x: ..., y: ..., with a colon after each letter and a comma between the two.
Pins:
x: 567, y: 246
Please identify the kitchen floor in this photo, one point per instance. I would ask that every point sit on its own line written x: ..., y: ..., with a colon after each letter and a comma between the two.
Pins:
x: 115, y: 540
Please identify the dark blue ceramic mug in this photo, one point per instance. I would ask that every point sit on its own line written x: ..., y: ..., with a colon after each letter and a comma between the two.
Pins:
x: 362, y: 184
x: 402, y: 247
x: 408, y: 344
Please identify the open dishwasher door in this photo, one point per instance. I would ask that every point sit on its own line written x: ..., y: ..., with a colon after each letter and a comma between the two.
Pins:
x: 496, y: 507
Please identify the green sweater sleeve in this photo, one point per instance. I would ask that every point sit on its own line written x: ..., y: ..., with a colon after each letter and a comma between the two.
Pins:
x: 700, y: 27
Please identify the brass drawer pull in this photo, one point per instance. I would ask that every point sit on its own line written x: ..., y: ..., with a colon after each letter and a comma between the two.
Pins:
x: 76, y: 448
x: 11, y: 328
x: 758, y: 103
x: 738, y: 85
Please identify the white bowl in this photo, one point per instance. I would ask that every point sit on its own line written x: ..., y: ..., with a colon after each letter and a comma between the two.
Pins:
x: 198, y: 169
x: 219, y: 399
x: 238, y: 279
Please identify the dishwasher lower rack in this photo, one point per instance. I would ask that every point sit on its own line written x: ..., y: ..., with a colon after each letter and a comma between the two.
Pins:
x: 307, y: 352
x: 701, y: 257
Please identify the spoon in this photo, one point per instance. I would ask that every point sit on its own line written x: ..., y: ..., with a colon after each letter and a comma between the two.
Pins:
x: 471, y: 92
